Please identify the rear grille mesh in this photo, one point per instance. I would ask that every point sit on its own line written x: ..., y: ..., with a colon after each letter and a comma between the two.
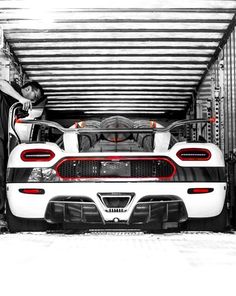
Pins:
x: 77, y: 168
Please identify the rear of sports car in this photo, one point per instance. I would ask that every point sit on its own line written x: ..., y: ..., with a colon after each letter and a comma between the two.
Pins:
x: 180, y: 188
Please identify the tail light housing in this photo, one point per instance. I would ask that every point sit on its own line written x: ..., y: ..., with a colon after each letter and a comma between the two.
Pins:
x: 199, y: 190
x: 32, y: 191
x: 37, y: 155
x: 194, y: 154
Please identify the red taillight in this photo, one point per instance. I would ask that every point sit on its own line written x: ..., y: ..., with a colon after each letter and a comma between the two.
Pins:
x: 194, y: 154
x: 32, y: 191
x: 199, y: 190
x: 37, y: 155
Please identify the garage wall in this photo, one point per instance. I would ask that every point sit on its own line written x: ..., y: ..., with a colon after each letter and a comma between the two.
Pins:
x: 10, y: 68
x: 217, y: 98
x: 230, y: 94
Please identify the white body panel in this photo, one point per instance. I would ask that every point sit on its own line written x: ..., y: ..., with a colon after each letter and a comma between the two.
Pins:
x: 24, y: 130
x: 215, y: 160
x: 197, y: 205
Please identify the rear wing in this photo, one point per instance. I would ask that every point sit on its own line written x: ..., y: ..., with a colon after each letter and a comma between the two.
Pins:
x: 70, y: 135
x: 85, y: 130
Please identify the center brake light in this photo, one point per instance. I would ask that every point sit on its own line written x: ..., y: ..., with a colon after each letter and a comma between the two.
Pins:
x: 194, y: 154
x: 37, y: 155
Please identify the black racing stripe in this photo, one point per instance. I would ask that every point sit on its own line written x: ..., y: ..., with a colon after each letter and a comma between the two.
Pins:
x: 183, y: 174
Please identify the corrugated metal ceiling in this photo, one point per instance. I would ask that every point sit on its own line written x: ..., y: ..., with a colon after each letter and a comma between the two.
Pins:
x: 122, y: 57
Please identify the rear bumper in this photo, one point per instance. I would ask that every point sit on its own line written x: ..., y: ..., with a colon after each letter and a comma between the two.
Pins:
x: 196, y: 205
x: 144, y: 213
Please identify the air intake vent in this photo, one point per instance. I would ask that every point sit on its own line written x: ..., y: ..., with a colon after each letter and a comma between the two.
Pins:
x: 149, y: 167
x: 115, y: 201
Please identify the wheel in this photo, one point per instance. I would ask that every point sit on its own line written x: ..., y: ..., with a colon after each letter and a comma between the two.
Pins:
x: 216, y: 224
x: 16, y: 224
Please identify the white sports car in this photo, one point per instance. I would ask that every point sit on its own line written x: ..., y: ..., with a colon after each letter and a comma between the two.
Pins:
x: 114, y: 173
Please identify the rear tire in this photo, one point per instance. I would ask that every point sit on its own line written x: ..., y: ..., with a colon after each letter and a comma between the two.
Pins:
x: 215, y: 224
x: 16, y: 224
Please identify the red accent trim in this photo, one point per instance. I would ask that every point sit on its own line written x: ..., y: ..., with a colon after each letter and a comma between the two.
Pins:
x: 116, y: 140
x: 192, y: 150
x: 32, y: 191
x: 18, y: 120
x: 212, y: 119
x: 153, y: 124
x: 116, y: 158
x: 37, y: 153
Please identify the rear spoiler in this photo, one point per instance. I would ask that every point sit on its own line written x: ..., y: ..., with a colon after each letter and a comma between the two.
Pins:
x: 82, y: 130
x: 70, y: 135
x: 115, y: 130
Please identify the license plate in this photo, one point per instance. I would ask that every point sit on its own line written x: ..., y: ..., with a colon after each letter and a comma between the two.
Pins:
x: 115, y: 169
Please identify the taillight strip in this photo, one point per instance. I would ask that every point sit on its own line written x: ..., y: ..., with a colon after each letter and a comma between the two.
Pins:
x: 194, y: 154
x: 37, y: 155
